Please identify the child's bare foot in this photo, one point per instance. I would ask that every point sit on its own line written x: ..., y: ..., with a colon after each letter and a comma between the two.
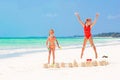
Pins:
x: 52, y: 65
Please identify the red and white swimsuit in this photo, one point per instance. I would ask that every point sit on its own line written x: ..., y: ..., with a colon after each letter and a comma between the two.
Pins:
x: 87, y: 31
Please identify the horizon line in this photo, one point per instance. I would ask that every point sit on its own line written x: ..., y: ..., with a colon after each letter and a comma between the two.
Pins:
x: 57, y: 36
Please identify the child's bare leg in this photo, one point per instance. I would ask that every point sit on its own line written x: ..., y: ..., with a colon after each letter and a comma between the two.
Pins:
x: 94, y: 48
x: 96, y: 55
x: 49, y: 56
x: 53, y: 53
x: 83, y: 48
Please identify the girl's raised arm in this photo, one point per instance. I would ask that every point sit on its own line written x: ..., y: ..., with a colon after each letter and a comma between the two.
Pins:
x: 80, y: 21
x: 96, y: 18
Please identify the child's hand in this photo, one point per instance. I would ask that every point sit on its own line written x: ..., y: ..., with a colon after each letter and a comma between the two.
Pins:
x: 60, y: 47
x: 48, y: 47
x: 76, y: 13
x: 97, y: 14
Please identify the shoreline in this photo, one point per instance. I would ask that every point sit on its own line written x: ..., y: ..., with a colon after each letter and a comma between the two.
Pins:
x: 108, y: 43
x: 40, y: 43
x: 11, y: 53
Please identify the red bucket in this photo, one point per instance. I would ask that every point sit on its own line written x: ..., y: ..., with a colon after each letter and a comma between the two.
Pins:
x: 88, y: 59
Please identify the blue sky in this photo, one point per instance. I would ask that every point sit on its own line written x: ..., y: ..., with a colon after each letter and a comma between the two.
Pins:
x: 22, y: 18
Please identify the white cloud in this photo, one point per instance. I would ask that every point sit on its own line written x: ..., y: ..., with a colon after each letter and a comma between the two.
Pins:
x: 114, y: 16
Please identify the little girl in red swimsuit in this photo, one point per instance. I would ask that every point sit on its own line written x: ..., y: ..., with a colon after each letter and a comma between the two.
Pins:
x: 87, y: 32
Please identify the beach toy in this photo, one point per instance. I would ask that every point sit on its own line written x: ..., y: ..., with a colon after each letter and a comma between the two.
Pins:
x: 104, y: 56
x: 52, y: 65
x: 60, y: 47
x: 88, y: 59
x: 48, y: 48
x: 88, y: 62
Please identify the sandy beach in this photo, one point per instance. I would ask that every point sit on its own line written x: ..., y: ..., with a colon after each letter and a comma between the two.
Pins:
x: 28, y: 64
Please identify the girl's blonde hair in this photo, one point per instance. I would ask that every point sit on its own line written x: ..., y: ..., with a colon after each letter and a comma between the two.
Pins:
x: 51, y: 30
x: 88, y: 19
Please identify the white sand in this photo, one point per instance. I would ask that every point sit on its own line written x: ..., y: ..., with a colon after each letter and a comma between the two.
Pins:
x: 30, y: 66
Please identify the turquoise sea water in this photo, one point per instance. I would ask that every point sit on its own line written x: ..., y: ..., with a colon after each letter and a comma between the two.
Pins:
x: 15, y: 47
x: 13, y: 43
